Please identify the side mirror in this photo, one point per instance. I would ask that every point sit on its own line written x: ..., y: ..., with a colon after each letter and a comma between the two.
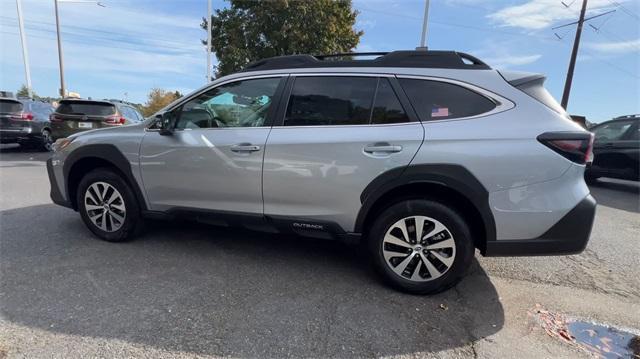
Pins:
x: 166, y: 124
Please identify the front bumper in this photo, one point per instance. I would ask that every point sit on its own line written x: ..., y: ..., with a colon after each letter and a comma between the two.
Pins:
x: 569, y: 236
x: 55, y: 194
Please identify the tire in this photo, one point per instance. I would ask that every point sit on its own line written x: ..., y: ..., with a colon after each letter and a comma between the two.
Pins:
x: 590, y: 178
x: 96, y: 189
x: 47, y: 141
x: 442, y: 227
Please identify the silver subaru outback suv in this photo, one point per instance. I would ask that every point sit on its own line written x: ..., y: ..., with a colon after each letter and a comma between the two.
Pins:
x: 422, y: 156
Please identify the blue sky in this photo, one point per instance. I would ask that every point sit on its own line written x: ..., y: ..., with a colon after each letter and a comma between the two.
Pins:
x: 131, y: 46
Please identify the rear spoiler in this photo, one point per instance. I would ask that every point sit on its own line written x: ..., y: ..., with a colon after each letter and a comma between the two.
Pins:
x: 517, y: 78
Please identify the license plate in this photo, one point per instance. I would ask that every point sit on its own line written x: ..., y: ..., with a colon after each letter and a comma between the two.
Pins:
x: 85, y: 125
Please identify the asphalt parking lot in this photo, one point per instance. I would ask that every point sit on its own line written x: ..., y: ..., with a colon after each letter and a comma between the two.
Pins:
x: 186, y: 290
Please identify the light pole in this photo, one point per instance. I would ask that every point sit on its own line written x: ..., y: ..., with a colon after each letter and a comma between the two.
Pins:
x: 25, y: 55
x: 423, y: 38
x: 208, y: 41
x: 60, y: 61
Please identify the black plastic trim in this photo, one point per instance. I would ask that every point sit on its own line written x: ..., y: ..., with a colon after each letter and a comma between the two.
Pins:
x: 111, y: 154
x: 55, y: 194
x: 452, y: 176
x: 570, y: 235
x: 255, y: 221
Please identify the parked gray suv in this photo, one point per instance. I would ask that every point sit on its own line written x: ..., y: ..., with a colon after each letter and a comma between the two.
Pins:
x: 423, y: 156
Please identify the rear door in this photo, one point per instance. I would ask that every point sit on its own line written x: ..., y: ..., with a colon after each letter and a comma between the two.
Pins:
x: 335, y: 134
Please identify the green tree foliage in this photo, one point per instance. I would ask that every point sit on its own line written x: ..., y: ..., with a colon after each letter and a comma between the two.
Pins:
x: 251, y: 30
x: 157, y: 99
x: 24, y: 92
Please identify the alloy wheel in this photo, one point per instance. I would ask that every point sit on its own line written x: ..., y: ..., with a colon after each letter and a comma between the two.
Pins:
x: 47, y: 141
x: 419, y: 248
x: 105, y: 206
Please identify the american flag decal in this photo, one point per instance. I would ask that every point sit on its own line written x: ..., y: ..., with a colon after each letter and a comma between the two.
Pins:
x: 439, y: 112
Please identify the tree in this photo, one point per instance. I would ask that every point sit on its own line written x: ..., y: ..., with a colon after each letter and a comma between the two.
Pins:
x: 24, y: 92
x: 157, y: 99
x: 251, y: 30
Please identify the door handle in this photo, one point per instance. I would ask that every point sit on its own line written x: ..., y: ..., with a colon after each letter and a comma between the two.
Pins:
x: 382, y: 147
x: 245, y: 147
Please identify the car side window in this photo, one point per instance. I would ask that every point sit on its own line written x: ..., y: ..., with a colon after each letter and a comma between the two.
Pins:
x: 633, y: 134
x: 330, y: 100
x: 126, y: 113
x: 437, y: 100
x: 244, y: 103
x: 611, y: 131
x: 387, y: 107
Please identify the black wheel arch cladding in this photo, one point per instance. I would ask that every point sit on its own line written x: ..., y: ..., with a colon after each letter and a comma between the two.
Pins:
x: 454, y: 177
x: 106, y: 153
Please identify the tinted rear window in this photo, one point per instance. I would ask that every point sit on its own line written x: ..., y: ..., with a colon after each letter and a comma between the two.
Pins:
x: 327, y: 100
x: 86, y: 108
x: 435, y: 100
x: 8, y: 106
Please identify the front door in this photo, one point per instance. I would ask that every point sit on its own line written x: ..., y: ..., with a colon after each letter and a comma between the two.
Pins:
x: 213, y: 160
x: 616, y: 150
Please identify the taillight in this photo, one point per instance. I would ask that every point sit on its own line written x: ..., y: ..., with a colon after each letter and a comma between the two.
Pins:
x: 54, y: 118
x: 575, y: 146
x: 25, y: 116
x: 115, y: 120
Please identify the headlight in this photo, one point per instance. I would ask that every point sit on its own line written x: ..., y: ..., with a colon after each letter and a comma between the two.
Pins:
x: 61, y: 143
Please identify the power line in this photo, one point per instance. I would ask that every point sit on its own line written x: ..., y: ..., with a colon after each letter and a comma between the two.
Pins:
x: 471, y: 27
x: 625, y: 10
x: 90, y: 42
x: 123, y: 35
x: 110, y: 40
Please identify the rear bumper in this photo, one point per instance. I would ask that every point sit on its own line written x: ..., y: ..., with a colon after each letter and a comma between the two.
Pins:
x: 26, y: 134
x: 569, y: 236
x: 55, y: 194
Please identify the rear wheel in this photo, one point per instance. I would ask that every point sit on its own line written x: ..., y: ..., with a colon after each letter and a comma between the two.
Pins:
x: 47, y: 141
x: 421, y: 246
x: 108, y: 206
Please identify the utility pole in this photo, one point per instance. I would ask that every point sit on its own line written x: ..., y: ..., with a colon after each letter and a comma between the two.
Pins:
x: 574, y: 55
x: 60, y: 62
x: 576, y: 44
x: 25, y: 55
x: 423, y: 38
x: 208, y: 41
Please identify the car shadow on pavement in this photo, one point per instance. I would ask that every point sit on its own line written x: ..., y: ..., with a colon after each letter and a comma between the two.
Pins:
x: 209, y: 290
x: 10, y: 152
x: 624, y: 195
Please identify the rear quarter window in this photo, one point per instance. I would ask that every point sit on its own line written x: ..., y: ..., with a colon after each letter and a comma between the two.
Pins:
x: 10, y: 106
x: 436, y: 100
x: 86, y: 108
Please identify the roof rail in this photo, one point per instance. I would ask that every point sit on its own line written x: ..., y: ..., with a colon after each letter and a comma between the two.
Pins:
x: 403, y: 58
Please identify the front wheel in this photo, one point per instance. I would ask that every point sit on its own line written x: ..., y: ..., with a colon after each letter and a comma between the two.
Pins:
x: 421, y: 246
x: 108, y: 206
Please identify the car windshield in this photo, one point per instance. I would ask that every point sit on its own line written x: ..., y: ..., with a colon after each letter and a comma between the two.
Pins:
x: 10, y: 106
x: 86, y: 108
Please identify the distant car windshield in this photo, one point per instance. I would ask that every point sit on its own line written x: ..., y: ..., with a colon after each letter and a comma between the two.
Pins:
x: 10, y: 106
x: 86, y: 108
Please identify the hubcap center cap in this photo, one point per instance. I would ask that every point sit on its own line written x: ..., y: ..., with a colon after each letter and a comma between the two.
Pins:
x: 106, y: 207
x: 417, y: 249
